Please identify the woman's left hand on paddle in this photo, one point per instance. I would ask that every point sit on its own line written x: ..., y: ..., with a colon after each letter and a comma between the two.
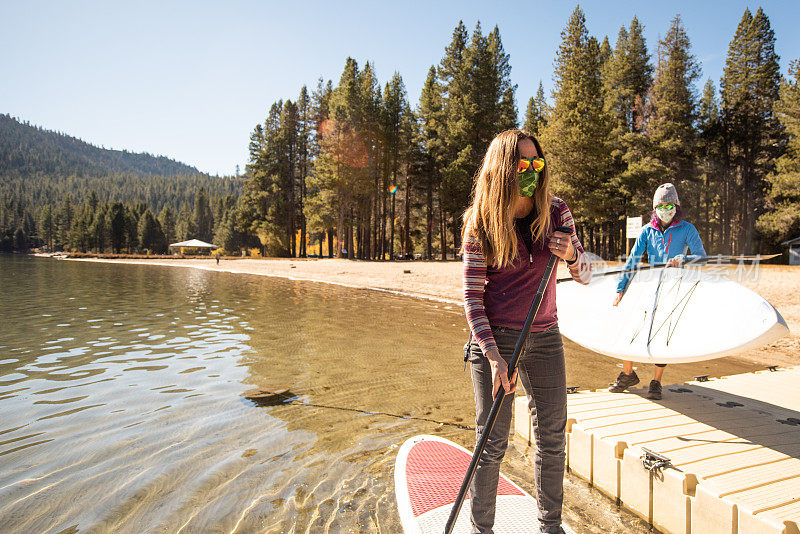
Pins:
x: 560, y: 244
x: 500, y: 373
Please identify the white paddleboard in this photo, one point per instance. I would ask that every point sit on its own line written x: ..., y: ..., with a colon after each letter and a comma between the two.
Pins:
x: 667, y: 316
x: 427, y: 476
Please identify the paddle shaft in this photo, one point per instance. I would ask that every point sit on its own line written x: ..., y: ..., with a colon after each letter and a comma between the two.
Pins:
x: 703, y: 259
x: 501, y: 393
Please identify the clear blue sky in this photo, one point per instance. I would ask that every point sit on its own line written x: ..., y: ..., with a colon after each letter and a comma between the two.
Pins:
x: 190, y: 80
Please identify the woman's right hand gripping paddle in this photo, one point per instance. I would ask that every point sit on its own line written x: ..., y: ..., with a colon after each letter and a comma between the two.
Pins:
x: 500, y: 373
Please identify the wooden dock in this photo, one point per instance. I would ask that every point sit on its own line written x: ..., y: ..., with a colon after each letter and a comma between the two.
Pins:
x: 733, y: 446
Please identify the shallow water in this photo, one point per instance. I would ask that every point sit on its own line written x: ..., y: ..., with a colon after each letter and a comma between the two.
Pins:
x: 121, y: 406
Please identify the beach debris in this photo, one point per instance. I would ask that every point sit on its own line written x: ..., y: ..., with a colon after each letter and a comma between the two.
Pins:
x: 406, y: 271
x: 268, y: 397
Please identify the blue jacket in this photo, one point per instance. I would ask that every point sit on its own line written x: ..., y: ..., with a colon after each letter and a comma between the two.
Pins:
x: 660, y: 247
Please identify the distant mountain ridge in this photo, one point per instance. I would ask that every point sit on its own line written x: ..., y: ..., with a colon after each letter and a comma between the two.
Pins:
x: 30, y: 149
x: 39, y: 166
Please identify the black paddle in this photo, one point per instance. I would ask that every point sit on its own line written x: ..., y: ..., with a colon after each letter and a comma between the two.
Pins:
x: 501, y: 393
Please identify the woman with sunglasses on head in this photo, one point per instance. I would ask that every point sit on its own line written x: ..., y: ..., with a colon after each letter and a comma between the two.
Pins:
x: 509, y: 234
x: 666, y: 239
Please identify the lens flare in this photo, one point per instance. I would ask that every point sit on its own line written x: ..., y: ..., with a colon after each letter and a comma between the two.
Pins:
x: 343, y: 143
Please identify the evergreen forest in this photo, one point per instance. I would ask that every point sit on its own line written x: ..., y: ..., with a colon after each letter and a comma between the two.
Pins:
x: 354, y: 169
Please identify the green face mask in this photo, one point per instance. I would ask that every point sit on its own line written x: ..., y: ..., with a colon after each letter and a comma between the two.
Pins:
x: 528, y: 181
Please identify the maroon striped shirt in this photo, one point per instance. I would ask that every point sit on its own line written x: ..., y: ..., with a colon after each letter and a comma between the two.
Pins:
x: 502, y: 297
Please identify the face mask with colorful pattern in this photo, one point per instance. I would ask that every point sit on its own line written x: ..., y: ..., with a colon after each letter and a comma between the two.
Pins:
x: 666, y: 212
x: 528, y: 175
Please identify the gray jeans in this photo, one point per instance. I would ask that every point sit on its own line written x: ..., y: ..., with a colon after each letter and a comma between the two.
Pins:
x: 542, y: 373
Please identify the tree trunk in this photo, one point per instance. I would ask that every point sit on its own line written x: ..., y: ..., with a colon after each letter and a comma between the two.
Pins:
x: 442, y: 232
x: 339, y: 232
x: 408, y: 249
x: 429, y: 222
x: 350, y: 241
x: 368, y: 232
x: 391, y: 239
x: 383, y: 216
x: 376, y: 216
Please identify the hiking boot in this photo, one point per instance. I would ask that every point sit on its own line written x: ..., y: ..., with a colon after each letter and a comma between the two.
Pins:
x: 623, y: 382
x: 654, y: 393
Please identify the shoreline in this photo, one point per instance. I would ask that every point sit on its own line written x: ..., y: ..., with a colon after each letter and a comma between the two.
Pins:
x: 380, y: 272
x: 440, y: 281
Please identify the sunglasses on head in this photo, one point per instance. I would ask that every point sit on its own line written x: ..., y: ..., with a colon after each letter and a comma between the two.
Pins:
x: 665, y: 206
x: 525, y: 164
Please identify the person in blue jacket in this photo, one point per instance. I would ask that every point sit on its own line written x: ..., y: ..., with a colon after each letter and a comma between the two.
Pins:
x: 666, y: 239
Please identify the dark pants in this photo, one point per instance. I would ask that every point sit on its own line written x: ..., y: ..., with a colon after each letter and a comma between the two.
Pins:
x: 542, y: 374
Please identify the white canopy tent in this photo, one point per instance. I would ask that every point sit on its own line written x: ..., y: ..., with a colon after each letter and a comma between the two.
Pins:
x: 193, y: 243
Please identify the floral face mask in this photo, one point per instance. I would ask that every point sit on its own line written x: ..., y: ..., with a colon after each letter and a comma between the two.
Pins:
x: 666, y: 212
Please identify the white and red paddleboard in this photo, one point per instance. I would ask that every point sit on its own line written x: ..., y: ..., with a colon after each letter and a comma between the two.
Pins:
x: 427, y: 476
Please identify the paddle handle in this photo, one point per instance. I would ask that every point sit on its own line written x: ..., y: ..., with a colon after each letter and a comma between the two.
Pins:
x: 501, y: 393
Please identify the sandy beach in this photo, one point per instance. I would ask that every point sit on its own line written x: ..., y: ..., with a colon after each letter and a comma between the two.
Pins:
x: 779, y: 284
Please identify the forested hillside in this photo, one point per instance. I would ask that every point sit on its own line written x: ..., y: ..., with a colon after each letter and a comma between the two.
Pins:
x: 60, y: 192
x: 39, y: 167
x: 30, y: 149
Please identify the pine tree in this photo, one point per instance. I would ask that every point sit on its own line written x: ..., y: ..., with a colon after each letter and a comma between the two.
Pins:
x: 47, y: 224
x: 263, y: 204
x: 21, y: 240
x: 287, y: 141
x: 100, y: 231
x: 80, y: 238
x: 537, y: 112
x: 432, y: 148
x: 627, y: 76
x: 66, y: 213
x: 167, y: 220
x: 575, y: 139
x: 713, y: 193
x: 117, y: 226
x: 202, y: 216
x: 151, y: 236
x: 503, y: 91
x: 782, y: 220
x: 453, y: 74
x: 347, y: 153
x: 132, y: 228
x: 478, y: 102
x: 304, y: 128
x: 369, y: 193
x: 395, y: 104
x: 750, y: 90
x: 319, y: 208
x: 672, y: 113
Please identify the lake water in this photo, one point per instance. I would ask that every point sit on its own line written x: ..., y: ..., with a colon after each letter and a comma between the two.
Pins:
x: 121, y: 406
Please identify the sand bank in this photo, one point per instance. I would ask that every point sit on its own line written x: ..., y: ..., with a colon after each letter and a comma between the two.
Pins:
x: 779, y: 284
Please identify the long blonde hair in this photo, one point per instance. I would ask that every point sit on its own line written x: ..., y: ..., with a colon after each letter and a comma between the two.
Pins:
x: 490, y: 218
